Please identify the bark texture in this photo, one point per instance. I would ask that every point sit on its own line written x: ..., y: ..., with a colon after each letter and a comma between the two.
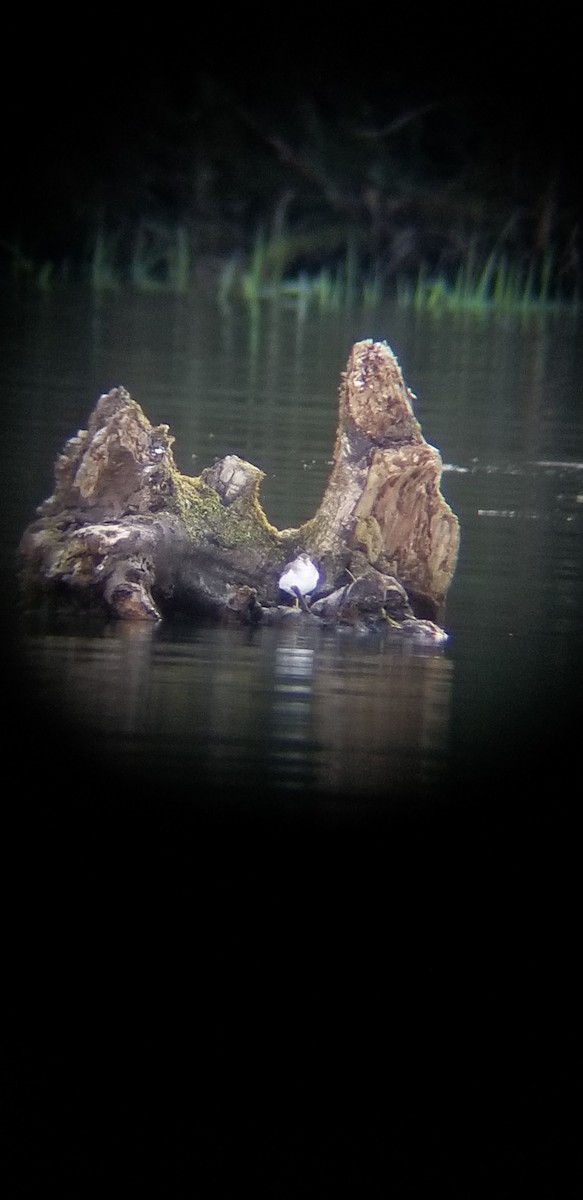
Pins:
x: 125, y: 532
x: 384, y: 497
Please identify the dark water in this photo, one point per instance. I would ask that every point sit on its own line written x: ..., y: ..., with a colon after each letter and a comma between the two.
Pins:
x: 306, y: 722
x: 294, y: 907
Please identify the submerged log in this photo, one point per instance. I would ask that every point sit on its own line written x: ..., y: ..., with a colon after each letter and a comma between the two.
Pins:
x: 127, y: 534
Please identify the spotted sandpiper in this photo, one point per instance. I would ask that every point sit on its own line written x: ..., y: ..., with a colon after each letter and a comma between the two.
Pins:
x: 299, y: 578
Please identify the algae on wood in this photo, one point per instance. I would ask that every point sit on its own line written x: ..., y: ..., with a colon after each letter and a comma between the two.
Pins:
x: 126, y: 532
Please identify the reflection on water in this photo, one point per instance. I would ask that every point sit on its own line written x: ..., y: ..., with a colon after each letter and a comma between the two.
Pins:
x: 263, y: 712
x: 303, y: 713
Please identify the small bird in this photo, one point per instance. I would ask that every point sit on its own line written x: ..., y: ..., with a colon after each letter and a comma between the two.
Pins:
x: 299, y: 577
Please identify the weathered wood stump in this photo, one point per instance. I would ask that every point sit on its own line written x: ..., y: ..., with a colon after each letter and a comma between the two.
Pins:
x: 126, y: 534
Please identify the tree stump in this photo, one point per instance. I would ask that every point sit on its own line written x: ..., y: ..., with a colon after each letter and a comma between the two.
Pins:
x: 127, y: 535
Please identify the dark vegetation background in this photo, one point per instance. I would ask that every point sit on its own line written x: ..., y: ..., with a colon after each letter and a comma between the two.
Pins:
x: 420, y: 138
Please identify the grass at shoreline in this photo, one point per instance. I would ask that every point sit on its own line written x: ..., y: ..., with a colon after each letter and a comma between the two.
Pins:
x: 161, y: 260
